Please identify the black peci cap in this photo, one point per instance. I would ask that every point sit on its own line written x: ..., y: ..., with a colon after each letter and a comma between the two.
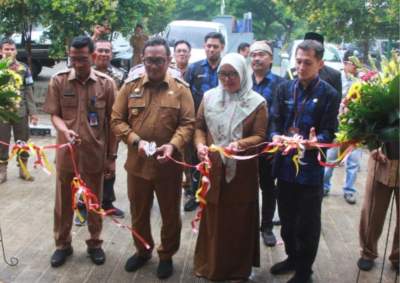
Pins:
x: 314, y: 36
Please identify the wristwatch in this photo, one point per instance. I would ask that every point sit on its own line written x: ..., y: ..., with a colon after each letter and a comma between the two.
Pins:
x: 136, y: 141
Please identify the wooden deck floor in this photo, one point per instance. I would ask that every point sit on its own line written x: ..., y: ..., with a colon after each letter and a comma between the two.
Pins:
x: 26, y: 218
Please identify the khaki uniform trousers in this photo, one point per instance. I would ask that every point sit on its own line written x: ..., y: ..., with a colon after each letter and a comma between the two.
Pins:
x: 20, y: 130
x: 141, y: 195
x: 376, y: 203
x: 63, y: 212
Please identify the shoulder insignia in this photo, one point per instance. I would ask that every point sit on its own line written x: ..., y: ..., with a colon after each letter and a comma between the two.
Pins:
x: 179, y: 80
x: 65, y: 71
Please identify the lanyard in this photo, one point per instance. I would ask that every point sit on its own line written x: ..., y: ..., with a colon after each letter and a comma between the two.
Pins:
x: 298, y: 113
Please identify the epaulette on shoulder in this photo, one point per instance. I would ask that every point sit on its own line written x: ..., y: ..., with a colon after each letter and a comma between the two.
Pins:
x: 62, y: 72
x: 133, y: 78
x: 179, y: 80
x: 103, y: 75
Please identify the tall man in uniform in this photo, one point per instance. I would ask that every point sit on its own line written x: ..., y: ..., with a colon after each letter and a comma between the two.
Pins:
x: 26, y: 112
x: 137, y: 41
x: 326, y: 73
x: 266, y: 84
x: 307, y: 106
x: 154, y: 108
x: 80, y: 101
x: 101, y: 58
x: 202, y: 76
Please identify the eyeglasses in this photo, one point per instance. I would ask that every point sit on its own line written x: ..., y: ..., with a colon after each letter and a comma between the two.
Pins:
x: 184, y: 51
x: 103, y: 50
x: 228, y: 75
x: 158, y: 61
x: 79, y: 59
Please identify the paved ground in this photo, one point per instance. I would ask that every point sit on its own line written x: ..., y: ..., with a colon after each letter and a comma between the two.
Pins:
x: 26, y: 218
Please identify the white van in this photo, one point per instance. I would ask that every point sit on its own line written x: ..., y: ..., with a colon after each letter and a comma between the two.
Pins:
x: 194, y: 33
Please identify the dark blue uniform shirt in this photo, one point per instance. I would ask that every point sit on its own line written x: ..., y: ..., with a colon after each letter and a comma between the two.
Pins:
x: 317, y: 106
x: 267, y: 88
x: 201, y: 77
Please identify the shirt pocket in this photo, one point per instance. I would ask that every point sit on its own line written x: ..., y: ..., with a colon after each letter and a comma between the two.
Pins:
x: 100, y: 106
x: 169, y: 113
x: 136, y: 108
x: 69, y: 107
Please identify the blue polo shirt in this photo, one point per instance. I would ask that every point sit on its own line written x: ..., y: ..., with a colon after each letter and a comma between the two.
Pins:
x: 201, y: 77
x: 267, y: 88
x: 317, y: 106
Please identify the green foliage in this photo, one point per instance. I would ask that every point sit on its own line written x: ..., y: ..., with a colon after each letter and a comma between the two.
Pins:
x: 10, y: 83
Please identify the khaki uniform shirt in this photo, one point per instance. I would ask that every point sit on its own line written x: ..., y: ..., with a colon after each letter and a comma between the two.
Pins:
x: 163, y: 113
x: 72, y: 101
x: 27, y: 105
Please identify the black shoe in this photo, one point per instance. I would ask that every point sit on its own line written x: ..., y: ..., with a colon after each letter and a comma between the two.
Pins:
x: 164, y: 269
x: 191, y: 204
x: 135, y: 262
x: 282, y: 267
x: 116, y: 212
x: 365, y: 264
x: 300, y: 279
x: 60, y: 256
x: 97, y: 255
x: 268, y: 238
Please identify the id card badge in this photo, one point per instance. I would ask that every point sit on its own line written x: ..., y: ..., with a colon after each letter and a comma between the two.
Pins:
x: 93, y: 119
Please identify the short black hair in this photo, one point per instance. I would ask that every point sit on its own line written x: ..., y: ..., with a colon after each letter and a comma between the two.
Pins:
x: 155, y: 41
x: 182, y: 42
x: 82, y: 41
x: 314, y: 36
x: 7, y: 40
x: 216, y: 35
x: 139, y: 26
x: 243, y: 46
x: 312, y: 45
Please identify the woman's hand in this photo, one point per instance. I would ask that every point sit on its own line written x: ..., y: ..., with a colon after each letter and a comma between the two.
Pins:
x: 233, y: 147
x: 202, y: 151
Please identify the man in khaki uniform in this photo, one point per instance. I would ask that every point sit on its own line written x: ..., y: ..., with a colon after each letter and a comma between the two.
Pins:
x: 26, y: 112
x: 101, y: 58
x: 156, y: 108
x: 382, y: 183
x: 80, y: 102
x: 137, y: 41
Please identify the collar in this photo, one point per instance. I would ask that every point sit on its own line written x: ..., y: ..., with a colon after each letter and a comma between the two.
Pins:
x: 267, y: 77
x: 92, y: 75
x: 310, y: 86
x: 205, y: 63
x: 166, y: 79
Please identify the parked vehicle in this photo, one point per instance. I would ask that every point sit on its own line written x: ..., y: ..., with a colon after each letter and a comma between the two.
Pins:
x: 331, y: 58
x: 40, y: 50
x: 193, y: 32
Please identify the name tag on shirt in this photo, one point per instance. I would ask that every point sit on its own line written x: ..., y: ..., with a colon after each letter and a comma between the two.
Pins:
x: 69, y: 93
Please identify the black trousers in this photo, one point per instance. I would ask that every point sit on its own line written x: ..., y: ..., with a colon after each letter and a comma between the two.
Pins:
x: 269, y: 192
x: 108, y: 192
x: 300, y: 213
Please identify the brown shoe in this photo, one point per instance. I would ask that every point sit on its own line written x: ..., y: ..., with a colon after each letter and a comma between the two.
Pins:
x: 3, y: 173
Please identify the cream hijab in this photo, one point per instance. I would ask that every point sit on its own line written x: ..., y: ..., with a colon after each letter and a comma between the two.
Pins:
x: 224, y: 112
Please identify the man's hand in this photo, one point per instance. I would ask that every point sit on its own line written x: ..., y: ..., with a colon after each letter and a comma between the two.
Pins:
x: 142, y: 148
x: 33, y: 119
x: 109, y: 170
x: 312, y: 139
x: 379, y: 156
x: 277, y: 139
x: 70, y: 135
x: 202, y: 151
x: 164, y: 151
x: 233, y: 147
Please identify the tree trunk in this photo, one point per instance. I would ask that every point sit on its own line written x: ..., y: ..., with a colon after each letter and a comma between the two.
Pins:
x: 365, y: 45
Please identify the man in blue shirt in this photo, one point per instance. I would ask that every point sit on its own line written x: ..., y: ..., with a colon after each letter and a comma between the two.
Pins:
x: 266, y: 84
x: 307, y: 106
x: 202, y: 76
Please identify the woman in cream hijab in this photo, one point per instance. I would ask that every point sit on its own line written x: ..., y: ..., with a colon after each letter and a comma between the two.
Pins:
x: 233, y: 116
